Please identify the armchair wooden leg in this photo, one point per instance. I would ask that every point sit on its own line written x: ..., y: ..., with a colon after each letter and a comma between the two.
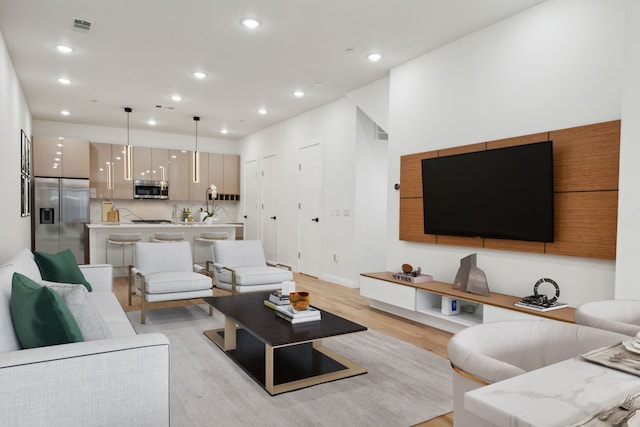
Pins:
x: 210, y: 311
x: 130, y: 281
x: 143, y: 291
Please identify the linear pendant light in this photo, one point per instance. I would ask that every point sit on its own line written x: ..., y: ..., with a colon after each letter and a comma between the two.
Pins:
x: 127, y: 150
x: 195, y: 157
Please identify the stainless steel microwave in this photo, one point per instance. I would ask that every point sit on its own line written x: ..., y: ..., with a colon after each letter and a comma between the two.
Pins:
x: 143, y: 189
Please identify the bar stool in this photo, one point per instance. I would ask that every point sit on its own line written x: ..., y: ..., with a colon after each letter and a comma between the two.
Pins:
x: 207, y: 237
x: 123, y: 240
x: 167, y: 237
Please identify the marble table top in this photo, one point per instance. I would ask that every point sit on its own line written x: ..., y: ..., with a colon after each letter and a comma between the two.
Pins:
x: 556, y: 395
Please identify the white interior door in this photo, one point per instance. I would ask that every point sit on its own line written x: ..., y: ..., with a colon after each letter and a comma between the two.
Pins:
x: 251, y: 201
x: 310, y: 207
x: 269, y: 218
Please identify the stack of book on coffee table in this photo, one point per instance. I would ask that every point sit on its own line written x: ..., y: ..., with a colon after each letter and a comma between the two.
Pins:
x: 291, y: 315
x: 276, y: 299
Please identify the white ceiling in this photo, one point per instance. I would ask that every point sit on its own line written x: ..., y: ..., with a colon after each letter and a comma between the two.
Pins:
x: 140, y: 52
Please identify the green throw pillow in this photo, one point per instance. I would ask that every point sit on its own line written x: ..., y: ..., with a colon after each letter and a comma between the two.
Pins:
x: 40, y: 317
x: 61, y: 267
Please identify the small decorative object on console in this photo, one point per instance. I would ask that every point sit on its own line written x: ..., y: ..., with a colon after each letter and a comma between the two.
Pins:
x: 470, y: 278
x: 409, y: 275
x: 542, y: 302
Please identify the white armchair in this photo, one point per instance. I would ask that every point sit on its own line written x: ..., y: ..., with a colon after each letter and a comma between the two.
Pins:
x: 491, y: 352
x: 164, y: 272
x: 240, y: 266
x: 622, y: 316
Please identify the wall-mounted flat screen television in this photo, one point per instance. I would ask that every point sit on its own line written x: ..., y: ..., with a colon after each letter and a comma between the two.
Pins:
x: 504, y: 193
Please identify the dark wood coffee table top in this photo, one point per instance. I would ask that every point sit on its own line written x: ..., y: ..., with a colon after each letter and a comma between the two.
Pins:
x: 249, y: 311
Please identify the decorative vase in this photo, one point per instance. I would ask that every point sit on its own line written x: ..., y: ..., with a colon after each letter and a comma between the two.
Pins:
x: 299, y: 300
x: 201, y: 216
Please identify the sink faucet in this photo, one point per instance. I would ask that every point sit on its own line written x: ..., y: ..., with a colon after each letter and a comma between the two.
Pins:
x: 174, y: 212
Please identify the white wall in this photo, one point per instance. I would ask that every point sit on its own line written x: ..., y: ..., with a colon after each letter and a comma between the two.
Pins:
x: 15, y: 232
x: 373, y: 99
x: 370, y: 231
x: 335, y: 126
x: 628, y: 200
x: 557, y: 65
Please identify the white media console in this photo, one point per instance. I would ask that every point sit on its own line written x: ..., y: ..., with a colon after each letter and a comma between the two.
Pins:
x: 421, y: 302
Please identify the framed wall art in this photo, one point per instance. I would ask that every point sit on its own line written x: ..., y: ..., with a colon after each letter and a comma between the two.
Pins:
x: 25, y: 174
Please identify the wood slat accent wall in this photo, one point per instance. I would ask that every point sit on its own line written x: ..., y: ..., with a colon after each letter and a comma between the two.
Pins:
x: 586, y: 163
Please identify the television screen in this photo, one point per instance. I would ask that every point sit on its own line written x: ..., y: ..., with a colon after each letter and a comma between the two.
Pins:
x: 505, y: 193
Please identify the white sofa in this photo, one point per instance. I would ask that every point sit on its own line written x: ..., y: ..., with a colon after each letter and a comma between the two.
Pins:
x: 122, y: 380
x: 490, y: 352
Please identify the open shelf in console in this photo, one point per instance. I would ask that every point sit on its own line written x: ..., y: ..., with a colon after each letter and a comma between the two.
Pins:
x: 431, y: 303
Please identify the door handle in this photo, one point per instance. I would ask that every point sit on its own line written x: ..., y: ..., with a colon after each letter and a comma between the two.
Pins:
x: 273, y: 218
x: 245, y: 217
x: 315, y: 219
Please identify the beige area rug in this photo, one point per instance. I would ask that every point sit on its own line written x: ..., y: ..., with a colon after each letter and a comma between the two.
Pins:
x: 404, y: 385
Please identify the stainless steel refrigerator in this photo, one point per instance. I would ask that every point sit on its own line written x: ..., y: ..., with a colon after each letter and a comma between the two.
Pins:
x: 61, y: 208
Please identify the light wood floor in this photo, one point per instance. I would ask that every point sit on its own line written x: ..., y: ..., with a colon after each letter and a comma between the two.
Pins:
x: 348, y: 303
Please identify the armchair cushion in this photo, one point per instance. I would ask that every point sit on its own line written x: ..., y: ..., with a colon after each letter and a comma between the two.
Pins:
x: 247, y: 259
x: 255, y: 275
x: 61, y: 267
x: 40, y: 316
x: 176, y: 281
x: 238, y: 253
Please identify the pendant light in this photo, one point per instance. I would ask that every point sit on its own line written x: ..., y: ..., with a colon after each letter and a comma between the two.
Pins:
x: 127, y: 150
x: 195, y: 157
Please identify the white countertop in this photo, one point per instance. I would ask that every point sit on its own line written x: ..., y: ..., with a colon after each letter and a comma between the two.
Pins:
x: 556, y: 395
x: 162, y: 225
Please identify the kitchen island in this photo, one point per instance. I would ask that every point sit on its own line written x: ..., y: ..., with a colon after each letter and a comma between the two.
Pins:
x: 98, y: 232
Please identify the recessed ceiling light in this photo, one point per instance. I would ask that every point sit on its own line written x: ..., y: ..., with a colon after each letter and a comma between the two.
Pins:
x: 64, y: 81
x: 224, y: 131
x: 251, y: 23
x: 374, y: 57
x: 199, y: 75
x: 65, y: 112
x: 176, y: 98
x: 64, y: 48
x: 262, y: 111
x: 151, y: 122
x: 298, y: 94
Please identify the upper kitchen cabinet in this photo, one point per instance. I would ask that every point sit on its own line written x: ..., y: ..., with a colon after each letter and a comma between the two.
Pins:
x: 224, y: 172
x: 179, y: 174
x: 107, y: 172
x: 231, y: 174
x: 60, y: 157
x: 150, y: 164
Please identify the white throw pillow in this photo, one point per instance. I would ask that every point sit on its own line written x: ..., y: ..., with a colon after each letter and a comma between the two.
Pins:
x: 91, y: 324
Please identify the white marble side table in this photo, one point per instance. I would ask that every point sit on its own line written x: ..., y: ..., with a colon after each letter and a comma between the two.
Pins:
x: 556, y: 395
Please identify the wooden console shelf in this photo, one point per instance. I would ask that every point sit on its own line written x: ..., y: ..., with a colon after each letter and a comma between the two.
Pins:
x: 494, y: 299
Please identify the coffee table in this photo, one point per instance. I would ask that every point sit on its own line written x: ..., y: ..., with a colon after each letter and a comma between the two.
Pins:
x: 278, y: 355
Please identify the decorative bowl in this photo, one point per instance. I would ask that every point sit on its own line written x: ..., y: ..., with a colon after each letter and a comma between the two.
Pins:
x: 299, y: 300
